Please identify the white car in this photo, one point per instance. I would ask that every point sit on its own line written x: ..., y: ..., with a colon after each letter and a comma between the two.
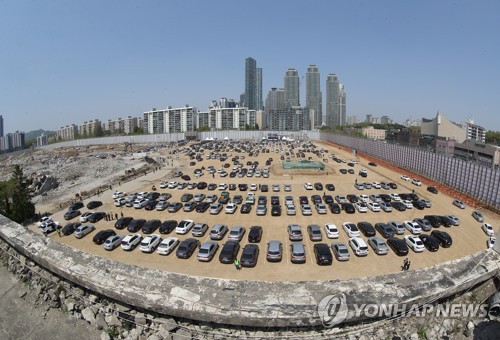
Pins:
x: 405, y: 178
x: 44, y: 220
x: 222, y: 186
x: 164, y: 185
x: 321, y: 208
x: 308, y: 186
x: 142, y: 195
x: 290, y: 210
x: 184, y: 227
x: 331, y: 230
x: 289, y: 200
x: 488, y: 229
x: 415, y: 243
x: 149, y: 243
x: 120, y: 201
x: 413, y: 227
x: 85, y: 216
x: 408, y: 204
x: 395, y: 197
x: 253, y: 187
x: 139, y: 204
x: 119, y: 194
x: 351, y: 229
x: 131, y: 241
x: 416, y: 182
x: 172, y: 185
x: 363, y: 198
x: 491, y: 242
x: 231, y: 208
x: 167, y: 245
x: 276, y: 187
x: 358, y: 246
x: 361, y: 207
x: 373, y: 206
x: 112, y: 242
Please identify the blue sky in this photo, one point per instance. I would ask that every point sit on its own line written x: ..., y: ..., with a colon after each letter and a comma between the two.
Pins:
x: 64, y: 62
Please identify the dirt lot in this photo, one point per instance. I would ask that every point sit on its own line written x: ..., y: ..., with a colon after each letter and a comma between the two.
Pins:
x: 468, y: 238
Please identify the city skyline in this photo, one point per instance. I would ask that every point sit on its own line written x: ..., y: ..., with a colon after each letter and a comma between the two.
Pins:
x: 66, y: 63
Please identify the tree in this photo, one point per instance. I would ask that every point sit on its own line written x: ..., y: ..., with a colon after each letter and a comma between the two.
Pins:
x: 22, y: 208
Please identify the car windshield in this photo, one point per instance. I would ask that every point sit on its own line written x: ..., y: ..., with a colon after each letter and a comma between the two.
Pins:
x: 204, y: 251
x: 363, y: 248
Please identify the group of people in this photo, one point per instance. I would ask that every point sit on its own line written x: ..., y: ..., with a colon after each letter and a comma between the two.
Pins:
x: 111, y: 217
x: 406, y: 264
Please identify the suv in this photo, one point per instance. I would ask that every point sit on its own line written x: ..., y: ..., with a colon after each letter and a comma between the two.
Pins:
x: 358, y: 246
x: 314, y: 232
x: 218, y: 231
x: 274, y: 251
x: 323, y: 254
x: 297, y: 252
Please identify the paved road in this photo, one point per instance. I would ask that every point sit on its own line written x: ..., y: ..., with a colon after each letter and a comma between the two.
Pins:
x: 19, y: 319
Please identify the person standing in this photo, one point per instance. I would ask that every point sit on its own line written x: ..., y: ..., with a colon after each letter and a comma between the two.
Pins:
x: 408, y: 265
x: 121, y: 213
x: 237, y: 264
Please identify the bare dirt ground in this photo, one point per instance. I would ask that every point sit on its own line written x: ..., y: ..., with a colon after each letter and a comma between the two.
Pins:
x: 468, y: 238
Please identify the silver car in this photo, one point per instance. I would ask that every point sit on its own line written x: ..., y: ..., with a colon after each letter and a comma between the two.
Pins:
x: 297, y: 252
x: 274, y: 251
x: 423, y: 224
x: 112, y: 242
x: 398, y: 227
x: 207, y: 251
x: 236, y: 233
x: 314, y: 232
x: 378, y: 245
x: 83, y: 230
x: 295, y: 232
x: 340, y: 251
x: 478, y: 216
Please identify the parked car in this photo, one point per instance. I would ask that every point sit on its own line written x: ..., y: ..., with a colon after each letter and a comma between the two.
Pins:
x: 323, y: 254
x: 478, y: 216
x: 350, y: 229
x: 294, y: 232
x: 488, y: 229
x: 297, y: 252
x: 236, y: 233
x: 168, y: 226
x: 76, y: 206
x: 424, y: 224
x: 373, y: 206
x: 255, y: 234
x: 102, y: 235
x: 314, y: 232
x: 458, y: 204
x: 174, y: 207
x: 85, y: 216
x: 340, y: 251
x: 131, y: 241
x: 491, y: 242
x: 398, y: 246
x: 385, y: 230
x: 189, y: 206
x: 199, y: 229
x: 202, y: 207
x: 149, y: 243
x: 218, y: 231
x: 331, y: 230
x: 443, y: 237
x: 358, y: 246
x: 416, y: 182
x: 186, y: 248
x: 229, y: 252
x: 135, y: 225
x: 184, y: 227
x: 432, y: 190
x: 94, y: 204
x: 261, y: 210
x: 83, y: 230
x: 112, y: 242
x: 434, y: 220
x: 385, y: 206
x: 378, y: 245
x: 306, y: 209
x: 430, y: 242
x: 249, y: 255
x: 70, y: 214
x: 96, y: 217
x: 334, y: 208
x: 398, y: 227
x: 348, y: 208
x: 207, y: 251
x: 412, y: 227
x: 246, y: 208
x: 70, y: 228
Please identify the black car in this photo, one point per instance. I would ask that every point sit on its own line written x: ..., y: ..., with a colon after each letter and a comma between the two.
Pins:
x: 405, y: 196
x: 328, y: 199
x: 255, y: 234
x: 372, y: 164
x: 432, y: 190
x: 223, y: 199
x: 419, y: 205
x: 76, y: 206
x: 434, y: 220
x: 202, y: 185
x: 186, y: 177
x: 348, y: 208
x: 136, y: 225
x: 443, y: 237
x: 352, y: 198
x: 330, y: 187
x: 186, y: 248
x: 202, y: 207
x: 276, y: 210
x: 212, y: 186
x: 94, y: 204
x: 123, y: 222
x: 242, y: 187
x: 238, y: 199
x: 303, y: 200
x: 186, y: 197
x: 413, y: 197
x: 399, y: 206
x: 102, y: 235
x: 366, y: 228
x: 430, y: 242
x: 343, y: 171
x: 398, y: 246
x: 246, y: 208
x: 264, y: 188
x: 334, y: 208
x: 393, y: 185
x: 249, y: 255
x: 229, y: 252
x: 316, y: 199
x: 70, y: 228
x: 323, y: 254
x: 96, y: 217
x: 351, y: 171
x: 70, y: 214
x: 446, y: 221
x: 275, y: 200
x: 151, y: 205
x: 153, y: 195
x: 318, y: 186
x: 150, y: 226
x: 385, y: 230
x: 168, y: 226
x: 232, y: 186
x: 386, y: 198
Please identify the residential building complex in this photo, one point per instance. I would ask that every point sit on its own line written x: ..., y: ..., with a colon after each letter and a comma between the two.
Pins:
x: 221, y: 118
x: 335, y: 102
x: 253, y: 85
x: 12, y: 141
x: 170, y: 120
x: 292, y: 91
x: 313, y: 94
x: 1, y: 126
x: 90, y: 128
x: 68, y: 132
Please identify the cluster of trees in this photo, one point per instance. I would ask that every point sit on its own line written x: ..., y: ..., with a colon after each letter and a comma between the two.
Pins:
x: 15, y: 199
x: 493, y: 137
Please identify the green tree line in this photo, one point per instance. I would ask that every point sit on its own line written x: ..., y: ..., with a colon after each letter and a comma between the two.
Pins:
x: 15, y: 199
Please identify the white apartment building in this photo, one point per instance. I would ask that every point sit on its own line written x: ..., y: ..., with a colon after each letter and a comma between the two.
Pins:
x: 170, y: 120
